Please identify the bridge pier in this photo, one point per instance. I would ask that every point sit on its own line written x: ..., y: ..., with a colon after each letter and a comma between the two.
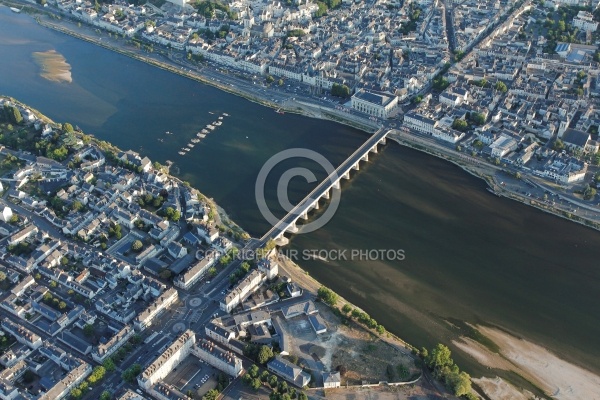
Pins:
x: 346, y: 175
x: 365, y: 157
x: 336, y: 185
x: 383, y: 140
x: 374, y: 149
x: 304, y: 215
x: 292, y: 228
x: 356, y: 166
x: 281, y: 241
x: 326, y: 194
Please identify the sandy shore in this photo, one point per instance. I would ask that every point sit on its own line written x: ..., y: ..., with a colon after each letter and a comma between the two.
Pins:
x: 558, y: 378
x: 53, y: 66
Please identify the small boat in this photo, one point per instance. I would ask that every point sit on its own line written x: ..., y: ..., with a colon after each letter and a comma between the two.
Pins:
x: 168, y: 133
x: 278, y: 111
x: 15, y: 10
x: 201, y: 135
x: 182, y: 153
x: 210, y: 112
x: 186, y: 149
x: 204, y: 131
x: 220, y: 117
x: 225, y: 114
x: 210, y: 127
x: 195, y: 140
x: 161, y: 140
x: 191, y: 145
x: 218, y: 123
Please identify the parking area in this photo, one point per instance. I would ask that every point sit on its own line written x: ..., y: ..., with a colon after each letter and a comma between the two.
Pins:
x: 193, y: 375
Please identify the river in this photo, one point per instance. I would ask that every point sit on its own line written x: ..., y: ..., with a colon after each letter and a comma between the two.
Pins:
x: 469, y: 256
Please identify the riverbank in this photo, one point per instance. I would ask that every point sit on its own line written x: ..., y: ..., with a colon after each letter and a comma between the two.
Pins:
x: 51, y: 19
x: 220, y: 216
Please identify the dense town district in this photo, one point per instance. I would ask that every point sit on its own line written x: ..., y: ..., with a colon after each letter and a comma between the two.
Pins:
x: 506, y: 89
x: 119, y: 280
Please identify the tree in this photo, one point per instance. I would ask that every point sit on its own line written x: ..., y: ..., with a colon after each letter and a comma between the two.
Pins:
x: 302, y: 396
x: 589, y: 193
x: 440, y: 357
x: 14, y: 219
x: 477, y: 118
x: 501, y: 87
x: 459, y: 383
x: 88, y: 330
x: 518, y: 175
x: 282, y: 387
x: 172, y: 214
x: 270, y: 79
x: 13, y: 114
x: 264, y: 376
x: 255, y: 384
x: 347, y: 308
x: 165, y: 274
x: 460, y: 124
x: 327, y: 295
x: 137, y: 245
x: 67, y: 127
x: 211, y: 395
x: 253, y: 371
x: 76, y: 393
x: 558, y: 145
x: 131, y: 373
x: 273, y: 381
x: 53, y: 284
x: 440, y: 83
x: 62, y: 305
x: 265, y: 353
x: 280, y: 82
x: 109, y: 364
x: 2, y: 276
x: 77, y: 205
x: 340, y: 90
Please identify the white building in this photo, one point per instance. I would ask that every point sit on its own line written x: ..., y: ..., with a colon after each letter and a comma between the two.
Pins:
x: 331, y: 380
x: 6, y: 214
x: 420, y: 123
x: 219, y: 358
x: 145, y: 318
x: 268, y: 267
x: 585, y: 21
x: 503, y: 145
x: 169, y: 359
x: 244, y: 289
x: 187, y: 279
x: 378, y: 104
x: 119, y: 339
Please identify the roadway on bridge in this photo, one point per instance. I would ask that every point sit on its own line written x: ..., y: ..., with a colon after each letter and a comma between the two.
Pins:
x: 305, y: 205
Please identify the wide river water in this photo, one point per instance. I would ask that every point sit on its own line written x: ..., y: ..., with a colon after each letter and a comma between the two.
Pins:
x: 469, y: 256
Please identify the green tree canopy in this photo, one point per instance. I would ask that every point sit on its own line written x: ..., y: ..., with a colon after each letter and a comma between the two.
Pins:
x: 327, y: 295
x: 460, y: 124
x: 339, y: 90
x: 501, y: 87
x: 265, y: 353
x: 137, y: 245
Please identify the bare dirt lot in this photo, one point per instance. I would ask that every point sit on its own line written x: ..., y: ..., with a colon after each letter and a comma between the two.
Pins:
x: 365, y: 357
